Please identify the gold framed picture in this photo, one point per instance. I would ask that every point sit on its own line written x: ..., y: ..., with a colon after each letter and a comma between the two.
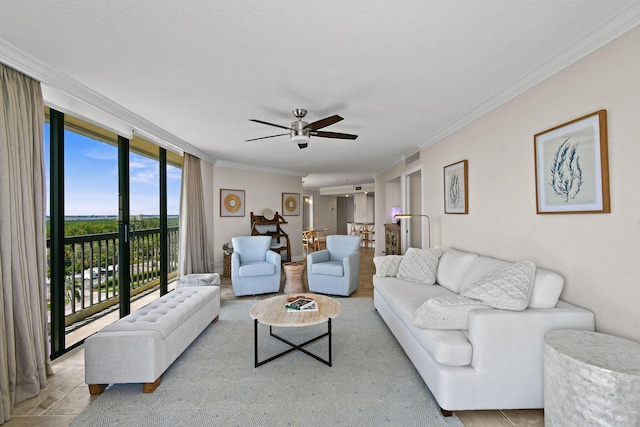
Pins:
x: 456, y: 188
x: 231, y: 202
x: 290, y: 204
x: 572, y: 167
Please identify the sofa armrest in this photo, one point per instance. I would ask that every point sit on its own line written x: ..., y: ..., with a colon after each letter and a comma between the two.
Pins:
x: 508, y: 346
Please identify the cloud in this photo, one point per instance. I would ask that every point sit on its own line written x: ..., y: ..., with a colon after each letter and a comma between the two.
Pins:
x: 102, y: 153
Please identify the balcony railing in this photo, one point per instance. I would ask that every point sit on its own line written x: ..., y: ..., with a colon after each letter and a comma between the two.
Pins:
x: 91, y: 264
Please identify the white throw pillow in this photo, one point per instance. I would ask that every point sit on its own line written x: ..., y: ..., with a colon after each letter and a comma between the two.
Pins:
x: 509, y: 288
x: 420, y: 265
x: 387, y: 266
x: 446, y: 312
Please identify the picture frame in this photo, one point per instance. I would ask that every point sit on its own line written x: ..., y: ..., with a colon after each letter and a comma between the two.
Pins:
x: 290, y: 204
x: 231, y: 202
x: 572, y: 167
x: 456, y: 188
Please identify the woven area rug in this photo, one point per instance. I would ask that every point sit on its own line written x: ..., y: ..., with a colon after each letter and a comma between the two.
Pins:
x: 214, y: 382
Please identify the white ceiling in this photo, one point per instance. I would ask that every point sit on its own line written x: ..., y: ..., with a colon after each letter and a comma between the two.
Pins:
x: 402, y: 74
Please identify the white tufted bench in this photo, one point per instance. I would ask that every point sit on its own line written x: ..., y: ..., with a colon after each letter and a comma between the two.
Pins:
x: 139, y: 347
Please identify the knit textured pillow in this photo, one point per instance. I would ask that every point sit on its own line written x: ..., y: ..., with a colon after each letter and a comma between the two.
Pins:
x: 509, y: 288
x: 446, y: 312
x: 420, y: 265
x: 387, y: 266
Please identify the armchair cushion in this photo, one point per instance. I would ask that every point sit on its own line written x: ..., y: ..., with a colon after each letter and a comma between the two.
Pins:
x: 256, y: 269
x: 331, y: 268
x: 251, y: 248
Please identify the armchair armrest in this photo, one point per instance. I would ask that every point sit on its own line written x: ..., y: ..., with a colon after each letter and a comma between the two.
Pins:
x: 273, y: 258
x: 351, y: 265
x: 235, y: 259
x: 318, y: 256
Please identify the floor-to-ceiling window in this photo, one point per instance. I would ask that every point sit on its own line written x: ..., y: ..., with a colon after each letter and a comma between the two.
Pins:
x: 84, y: 217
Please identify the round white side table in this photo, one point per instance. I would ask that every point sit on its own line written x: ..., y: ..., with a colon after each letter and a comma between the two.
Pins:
x: 591, y: 379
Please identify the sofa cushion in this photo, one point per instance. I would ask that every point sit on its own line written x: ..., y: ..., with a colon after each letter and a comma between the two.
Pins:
x: 547, y: 287
x: 509, y: 288
x: 420, y: 265
x: 447, y: 347
x: 259, y: 268
x: 446, y: 312
x: 452, y: 267
x: 330, y: 268
x: 387, y: 266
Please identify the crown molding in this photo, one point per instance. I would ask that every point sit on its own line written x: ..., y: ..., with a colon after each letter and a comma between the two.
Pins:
x: 608, y: 31
x: 396, y: 162
x: 36, y: 69
x: 255, y: 168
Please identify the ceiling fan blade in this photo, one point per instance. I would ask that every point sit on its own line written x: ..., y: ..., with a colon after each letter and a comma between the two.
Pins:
x: 323, y: 123
x: 323, y: 134
x: 270, y: 124
x: 265, y: 137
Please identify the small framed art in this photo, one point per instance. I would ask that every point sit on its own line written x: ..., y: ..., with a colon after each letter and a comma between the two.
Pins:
x: 290, y: 204
x: 572, y: 168
x: 456, y: 188
x: 231, y: 202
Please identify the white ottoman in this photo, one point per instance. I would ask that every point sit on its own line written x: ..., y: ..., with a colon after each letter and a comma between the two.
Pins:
x: 208, y: 279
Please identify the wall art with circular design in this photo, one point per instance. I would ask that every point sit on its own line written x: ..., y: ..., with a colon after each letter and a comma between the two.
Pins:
x: 231, y: 202
x: 290, y: 204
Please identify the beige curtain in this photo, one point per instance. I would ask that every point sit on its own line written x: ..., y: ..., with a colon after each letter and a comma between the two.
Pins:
x: 193, y: 253
x: 23, y: 297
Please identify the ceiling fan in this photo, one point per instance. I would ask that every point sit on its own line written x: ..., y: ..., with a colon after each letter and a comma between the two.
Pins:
x: 301, y: 131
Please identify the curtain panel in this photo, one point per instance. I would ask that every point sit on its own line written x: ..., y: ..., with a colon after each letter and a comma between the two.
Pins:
x: 23, y: 295
x: 193, y: 254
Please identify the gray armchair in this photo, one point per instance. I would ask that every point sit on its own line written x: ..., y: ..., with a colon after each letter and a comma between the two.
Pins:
x: 335, y: 270
x: 254, y: 268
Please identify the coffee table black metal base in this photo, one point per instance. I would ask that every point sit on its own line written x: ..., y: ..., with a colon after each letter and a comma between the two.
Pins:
x: 293, y: 346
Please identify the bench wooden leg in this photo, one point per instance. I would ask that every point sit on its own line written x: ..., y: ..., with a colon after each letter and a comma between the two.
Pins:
x: 151, y: 387
x: 446, y: 413
x: 95, y: 389
x: 216, y: 319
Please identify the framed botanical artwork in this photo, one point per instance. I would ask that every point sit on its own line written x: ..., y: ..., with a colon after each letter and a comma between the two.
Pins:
x: 456, y: 188
x: 572, y: 167
x: 291, y: 204
x: 231, y: 202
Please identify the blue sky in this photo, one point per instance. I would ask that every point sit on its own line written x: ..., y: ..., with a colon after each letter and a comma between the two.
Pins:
x: 91, y: 179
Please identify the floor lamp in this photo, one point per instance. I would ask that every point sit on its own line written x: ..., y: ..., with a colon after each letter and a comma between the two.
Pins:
x: 408, y: 215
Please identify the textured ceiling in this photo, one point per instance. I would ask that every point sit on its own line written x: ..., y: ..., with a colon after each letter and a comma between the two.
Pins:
x: 402, y: 74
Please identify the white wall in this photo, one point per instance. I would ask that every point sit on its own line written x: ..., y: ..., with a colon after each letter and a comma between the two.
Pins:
x: 262, y: 190
x: 388, y: 195
x: 598, y: 254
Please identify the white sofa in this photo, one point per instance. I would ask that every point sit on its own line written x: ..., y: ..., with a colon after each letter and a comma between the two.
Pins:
x: 139, y: 347
x: 497, y: 363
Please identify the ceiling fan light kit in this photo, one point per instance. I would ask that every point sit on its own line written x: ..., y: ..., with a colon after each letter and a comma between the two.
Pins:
x: 300, y: 131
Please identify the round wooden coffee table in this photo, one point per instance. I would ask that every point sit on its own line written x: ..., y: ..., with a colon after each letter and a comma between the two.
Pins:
x: 272, y: 312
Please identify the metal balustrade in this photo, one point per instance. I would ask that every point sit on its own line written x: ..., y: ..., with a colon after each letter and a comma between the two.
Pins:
x: 91, y: 264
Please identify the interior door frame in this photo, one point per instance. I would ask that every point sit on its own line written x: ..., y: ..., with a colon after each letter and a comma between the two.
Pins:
x: 405, y: 225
